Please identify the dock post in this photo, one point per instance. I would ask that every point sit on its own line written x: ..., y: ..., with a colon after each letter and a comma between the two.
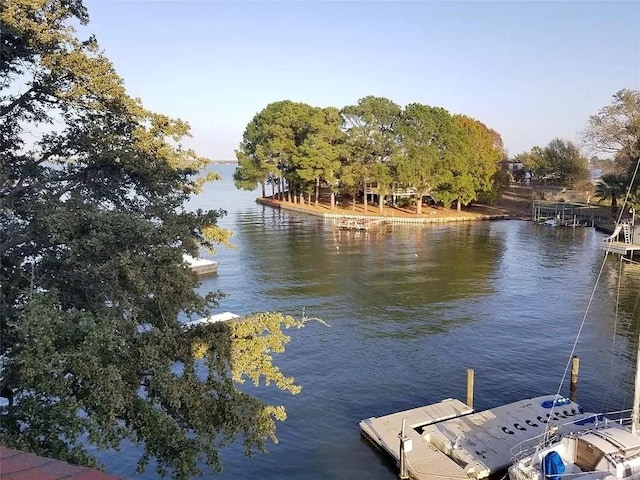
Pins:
x: 470, y: 375
x: 403, y: 457
x: 575, y: 367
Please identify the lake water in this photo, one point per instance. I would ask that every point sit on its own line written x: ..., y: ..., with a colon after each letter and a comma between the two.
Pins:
x: 410, y: 309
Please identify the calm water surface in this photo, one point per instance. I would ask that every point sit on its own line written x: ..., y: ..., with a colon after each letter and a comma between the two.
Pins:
x: 410, y: 309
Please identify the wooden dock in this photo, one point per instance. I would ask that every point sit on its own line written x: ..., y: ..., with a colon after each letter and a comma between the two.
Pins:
x: 357, y: 224
x: 384, y: 432
x: 620, y: 248
x: 448, y: 440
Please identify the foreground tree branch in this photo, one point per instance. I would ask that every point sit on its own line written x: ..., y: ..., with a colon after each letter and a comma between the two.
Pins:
x: 92, y: 276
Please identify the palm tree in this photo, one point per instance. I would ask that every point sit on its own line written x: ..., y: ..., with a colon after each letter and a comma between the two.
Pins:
x: 611, y: 186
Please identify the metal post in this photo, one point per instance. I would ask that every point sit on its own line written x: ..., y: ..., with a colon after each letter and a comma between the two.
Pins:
x: 470, y: 375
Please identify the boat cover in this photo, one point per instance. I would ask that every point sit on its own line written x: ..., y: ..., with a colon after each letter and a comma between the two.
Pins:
x: 552, y: 466
x: 557, y: 402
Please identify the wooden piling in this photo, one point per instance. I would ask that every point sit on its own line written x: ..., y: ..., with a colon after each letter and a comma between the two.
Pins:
x: 575, y: 368
x: 470, y: 375
x: 404, y: 475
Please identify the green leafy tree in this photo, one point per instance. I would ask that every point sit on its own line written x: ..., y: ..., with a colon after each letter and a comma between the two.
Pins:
x: 255, y: 164
x: 382, y: 174
x: 534, y: 161
x: 612, y: 187
x: 565, y: 164
x: 92, y: 278
x: 271, y: 146
x: 350, y: 175
x: 266, y: 149
x: 371, y: 135
x: 473, y: 165
x: 426, y: 133
x: 320, y: 152
x: 615, y: 129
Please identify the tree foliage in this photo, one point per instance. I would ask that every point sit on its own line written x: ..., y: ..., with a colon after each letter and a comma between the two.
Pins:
x: 612, y: 187
x: 566, y: 163
x: 92, y: 278
x: 371, y: 127
x: 615, y: 129
x: 559, y: 163
x: 533, y: 161
x: 298, y: 144
x: 426, y: 133
x: 476, y: 160
x: 372, y: 148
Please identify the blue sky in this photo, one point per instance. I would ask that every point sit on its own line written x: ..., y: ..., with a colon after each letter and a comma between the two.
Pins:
x: 532, y: 71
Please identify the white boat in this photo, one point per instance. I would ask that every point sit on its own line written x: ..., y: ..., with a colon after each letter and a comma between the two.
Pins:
x: 609, y: 451
x: 218, y: 317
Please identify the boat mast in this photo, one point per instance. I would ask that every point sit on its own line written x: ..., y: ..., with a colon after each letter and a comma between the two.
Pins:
x: 635, y: 413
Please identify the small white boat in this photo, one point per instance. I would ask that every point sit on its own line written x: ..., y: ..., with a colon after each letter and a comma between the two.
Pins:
x: 218, y: 317
x: 201, y: 266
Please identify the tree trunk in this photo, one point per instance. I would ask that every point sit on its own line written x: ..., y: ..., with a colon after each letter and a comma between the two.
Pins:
x: 333, y: 201
x: 418, y: 204
x: 264, y: 190
x: 381, y: 200
x: 459, y: 205
x: 365, y: 195
x: 317, y: 190
x: 280, y: 194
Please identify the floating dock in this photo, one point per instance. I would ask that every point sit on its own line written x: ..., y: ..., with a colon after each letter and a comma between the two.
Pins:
x: 612, y: 243
x: 620, y: 248
x: 357, y: 224
x: 201, y: 266
x: 448, y: 440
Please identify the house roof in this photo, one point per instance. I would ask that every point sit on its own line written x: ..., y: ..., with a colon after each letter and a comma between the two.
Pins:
x: 17, y: 465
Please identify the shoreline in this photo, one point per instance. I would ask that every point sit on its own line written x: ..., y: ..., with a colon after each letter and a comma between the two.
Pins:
x: 394, y: 215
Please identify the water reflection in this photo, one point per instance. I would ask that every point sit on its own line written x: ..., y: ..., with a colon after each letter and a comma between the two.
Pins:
x: 396, y: 272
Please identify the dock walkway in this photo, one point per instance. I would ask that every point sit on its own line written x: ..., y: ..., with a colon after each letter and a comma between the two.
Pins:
x: 613, y: 243
x: 620, y: 248
x: 450, y: 441
x: 424, y: 457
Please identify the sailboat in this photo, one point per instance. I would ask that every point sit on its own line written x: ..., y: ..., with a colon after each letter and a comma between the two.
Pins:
x: 608, y: 450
